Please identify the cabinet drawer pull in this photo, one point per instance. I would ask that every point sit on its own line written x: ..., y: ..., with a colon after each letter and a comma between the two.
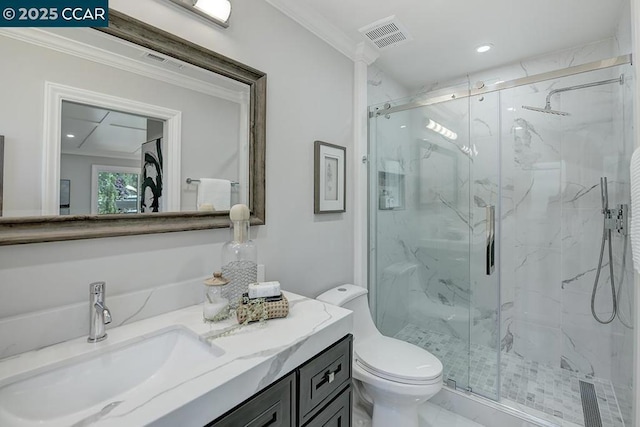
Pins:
x: 329, y: 377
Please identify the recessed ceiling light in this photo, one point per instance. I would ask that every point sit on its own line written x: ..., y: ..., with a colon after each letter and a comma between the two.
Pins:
x: 484, y: 48
x: 70, y: 135
x: 403, y: 126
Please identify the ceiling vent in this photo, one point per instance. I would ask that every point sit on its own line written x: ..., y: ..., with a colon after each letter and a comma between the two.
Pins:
x: 386, y: 33
x: 162, y: 60
x: 156, y: 58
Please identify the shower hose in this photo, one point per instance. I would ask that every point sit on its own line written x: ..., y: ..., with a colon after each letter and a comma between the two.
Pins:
x: 606, y: 236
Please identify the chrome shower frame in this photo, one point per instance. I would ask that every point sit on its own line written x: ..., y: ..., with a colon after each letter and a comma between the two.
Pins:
x: 565, y: 72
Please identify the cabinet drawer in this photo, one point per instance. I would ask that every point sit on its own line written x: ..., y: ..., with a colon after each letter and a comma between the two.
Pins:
x: 337, y: 414
x: 272, y: 407
x: 323, y: 376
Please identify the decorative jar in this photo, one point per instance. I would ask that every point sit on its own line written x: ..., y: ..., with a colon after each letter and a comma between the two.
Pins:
x: 239, y: 256
x: 216, y: 305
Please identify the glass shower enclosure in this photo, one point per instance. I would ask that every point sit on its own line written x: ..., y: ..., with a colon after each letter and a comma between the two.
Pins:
x: 485, y: 229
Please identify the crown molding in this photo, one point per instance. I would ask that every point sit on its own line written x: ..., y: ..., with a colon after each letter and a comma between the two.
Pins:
x: 62, y: 44
x: 325, y: 30
x: 366, y: 53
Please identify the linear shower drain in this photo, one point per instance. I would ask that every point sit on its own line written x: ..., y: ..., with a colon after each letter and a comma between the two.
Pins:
x: 590, y: 407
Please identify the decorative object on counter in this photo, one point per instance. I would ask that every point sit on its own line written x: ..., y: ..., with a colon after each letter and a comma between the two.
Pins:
x: 261, y: 309
x: 239, y: 256
x: 216, y: 306
x: 264, y: 289
x: 330, y: 169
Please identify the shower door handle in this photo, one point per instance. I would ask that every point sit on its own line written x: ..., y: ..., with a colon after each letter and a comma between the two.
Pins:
x: 491, y: 240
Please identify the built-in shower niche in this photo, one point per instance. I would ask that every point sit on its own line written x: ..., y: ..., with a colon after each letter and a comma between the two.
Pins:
x: 438, y: 174
x: 391, y: 188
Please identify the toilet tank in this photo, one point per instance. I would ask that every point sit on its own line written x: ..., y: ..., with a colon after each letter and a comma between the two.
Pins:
x: 353, y: 298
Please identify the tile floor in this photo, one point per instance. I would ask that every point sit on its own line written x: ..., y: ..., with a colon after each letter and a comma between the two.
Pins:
x: 552, y: 393
x: 430, y: 415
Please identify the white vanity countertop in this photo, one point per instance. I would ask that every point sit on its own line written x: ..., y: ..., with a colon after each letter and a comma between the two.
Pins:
x: 254, y: 356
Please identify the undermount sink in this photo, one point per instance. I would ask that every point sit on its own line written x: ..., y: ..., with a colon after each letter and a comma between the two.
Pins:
x: 73, y: 390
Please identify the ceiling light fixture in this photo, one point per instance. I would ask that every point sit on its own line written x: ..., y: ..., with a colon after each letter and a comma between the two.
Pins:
x: 484, y: 48
x: 70, y: 135
x: 217, y: 11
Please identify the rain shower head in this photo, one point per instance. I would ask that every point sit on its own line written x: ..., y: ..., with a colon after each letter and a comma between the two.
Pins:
x: 546, y: 109
x: 547, y: 106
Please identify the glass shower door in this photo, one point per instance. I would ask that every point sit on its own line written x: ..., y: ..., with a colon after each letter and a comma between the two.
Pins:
x: 421, y: 230
x: 486, y: 213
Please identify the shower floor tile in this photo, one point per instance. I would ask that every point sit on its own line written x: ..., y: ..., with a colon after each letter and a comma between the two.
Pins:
x: 552, y: 393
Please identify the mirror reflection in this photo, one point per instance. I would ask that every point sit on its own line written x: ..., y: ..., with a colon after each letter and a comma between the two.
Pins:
x: 103, y: 168
x: 125, y: 129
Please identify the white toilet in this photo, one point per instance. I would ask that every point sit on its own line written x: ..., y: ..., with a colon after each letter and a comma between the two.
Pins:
x: 396, y: 376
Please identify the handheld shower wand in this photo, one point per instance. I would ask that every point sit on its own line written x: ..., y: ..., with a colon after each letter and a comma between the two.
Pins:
x: 614, y: 219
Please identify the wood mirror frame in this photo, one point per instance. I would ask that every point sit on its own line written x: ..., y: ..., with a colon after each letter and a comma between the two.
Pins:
x: 57, y: 228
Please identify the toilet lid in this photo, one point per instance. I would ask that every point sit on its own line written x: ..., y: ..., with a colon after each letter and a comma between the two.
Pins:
x: 397, y: 360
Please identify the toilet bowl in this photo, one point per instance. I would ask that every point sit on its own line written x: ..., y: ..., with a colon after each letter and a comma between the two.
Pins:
x: 395, y: 375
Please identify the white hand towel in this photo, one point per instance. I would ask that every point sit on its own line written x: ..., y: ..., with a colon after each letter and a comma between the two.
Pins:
x: 635, y: 208
x: 214, y: 194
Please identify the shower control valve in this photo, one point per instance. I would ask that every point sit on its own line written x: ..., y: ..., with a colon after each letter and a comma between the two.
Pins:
x: 616, y: 219
x: 622, y: 214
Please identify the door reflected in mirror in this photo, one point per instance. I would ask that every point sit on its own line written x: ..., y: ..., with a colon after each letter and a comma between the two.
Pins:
x: 103, y: 168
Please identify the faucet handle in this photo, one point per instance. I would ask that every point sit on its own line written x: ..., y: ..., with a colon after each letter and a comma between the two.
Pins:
x: 96, y: 288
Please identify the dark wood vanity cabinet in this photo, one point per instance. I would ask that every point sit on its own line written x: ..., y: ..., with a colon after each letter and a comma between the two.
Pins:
x: 273, y: 406
x: 316, y: 394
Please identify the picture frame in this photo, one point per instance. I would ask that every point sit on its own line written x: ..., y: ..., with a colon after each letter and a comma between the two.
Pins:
x: 330, y: 170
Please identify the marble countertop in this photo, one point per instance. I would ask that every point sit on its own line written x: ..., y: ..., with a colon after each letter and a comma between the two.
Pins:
x: 254, y: 356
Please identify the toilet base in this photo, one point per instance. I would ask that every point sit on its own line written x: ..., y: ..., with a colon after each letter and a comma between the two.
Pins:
x: 391, y: 409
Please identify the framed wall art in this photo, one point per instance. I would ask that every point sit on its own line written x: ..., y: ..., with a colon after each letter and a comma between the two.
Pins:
x: 151, y: 181
x: 330, y: 169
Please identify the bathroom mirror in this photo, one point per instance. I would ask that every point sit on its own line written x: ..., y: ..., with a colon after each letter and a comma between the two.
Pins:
x: 190, y: 66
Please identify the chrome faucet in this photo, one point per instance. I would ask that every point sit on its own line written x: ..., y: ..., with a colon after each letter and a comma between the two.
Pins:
x: 99, y: 314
